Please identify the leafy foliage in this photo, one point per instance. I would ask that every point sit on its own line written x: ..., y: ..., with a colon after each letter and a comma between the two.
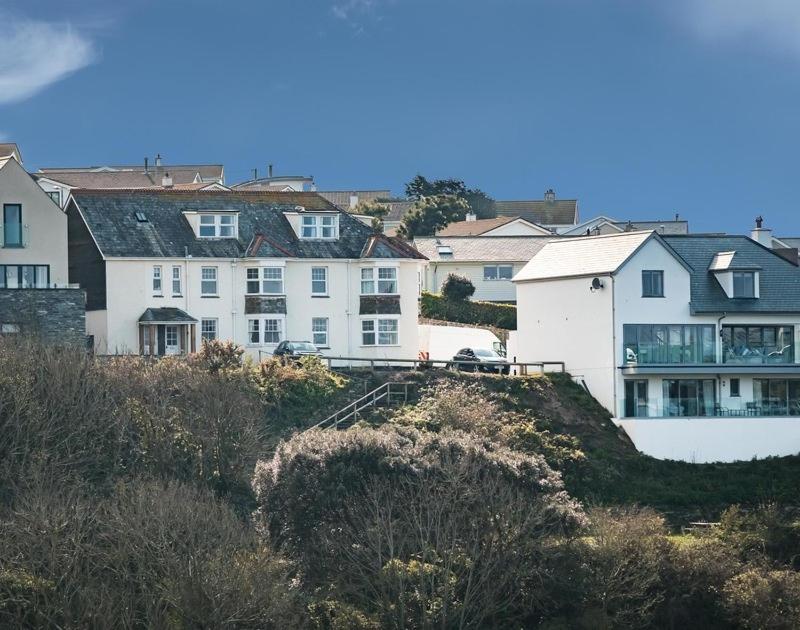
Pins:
x: 375, y: 209
x: 457, y: 288
x: 478, y: 201
x: 466, y: 312
x: 430, y: 214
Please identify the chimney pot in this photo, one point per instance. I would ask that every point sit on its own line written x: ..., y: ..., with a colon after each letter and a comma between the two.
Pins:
x: 146, y: 160
x: 269, y: 170
x: 761, y: 234
x: 550, y: 195
x: 158, y: 160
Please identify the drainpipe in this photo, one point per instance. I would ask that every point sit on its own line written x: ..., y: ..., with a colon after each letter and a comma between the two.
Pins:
x: 614, y: 348
x: 185, y: 288
x: 718, y: 350
x: 347, y: 308
x: 233, y: 299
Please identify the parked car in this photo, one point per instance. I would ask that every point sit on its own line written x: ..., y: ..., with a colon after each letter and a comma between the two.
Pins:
x: 296, y: 350
x: 481, y: 360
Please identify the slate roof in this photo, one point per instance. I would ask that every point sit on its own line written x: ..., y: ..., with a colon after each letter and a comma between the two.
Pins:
x: 264, y: 230
x: 779, y: 279
x: 341, y: 198
x: 8, y: 149
x: 543, y: 212
x: 565, y: 256
x: 131, y: 176
x: 166, y: 315
x: 483, y: 248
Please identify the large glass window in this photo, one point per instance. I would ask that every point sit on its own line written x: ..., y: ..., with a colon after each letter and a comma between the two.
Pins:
x: 636, y: 399
x: 744, y: 283
x: 776, y: 397
x: 12, y: 225
x: 652, y: 283
x: 689, y: 397
x: 758, y: 344
x: 498, y: 272
x: 24, y: 276
x: 668, y: 343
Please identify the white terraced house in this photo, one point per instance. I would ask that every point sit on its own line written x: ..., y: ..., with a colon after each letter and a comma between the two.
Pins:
x: 164, y: 270
x: 691, y: 342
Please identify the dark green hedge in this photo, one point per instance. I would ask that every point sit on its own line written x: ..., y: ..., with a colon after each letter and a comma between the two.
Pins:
x: 482, y: 313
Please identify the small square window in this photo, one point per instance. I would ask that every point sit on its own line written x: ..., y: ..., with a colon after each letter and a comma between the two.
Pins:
x: 652, y: 283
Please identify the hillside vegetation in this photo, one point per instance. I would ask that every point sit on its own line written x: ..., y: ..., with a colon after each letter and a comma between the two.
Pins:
x: 180, y: 494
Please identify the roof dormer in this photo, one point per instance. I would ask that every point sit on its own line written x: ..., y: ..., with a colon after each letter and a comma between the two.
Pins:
x: 739, y: 280
x: 213, y: 224
x: 318, y: 225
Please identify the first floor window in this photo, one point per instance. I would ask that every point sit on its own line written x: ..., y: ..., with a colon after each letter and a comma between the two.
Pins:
x: 208, y: 281
x: 12, y: 225
x: 652, y: 283
x: 253, y: 283
x: 24, y: 276
x: 253, y: 331
x: 380, y: 332
x: 272, y: 331
x: 367, y: 281
x: 265, y: 280
x: 385, y: 282
x: 319, y: 331
x: 498, y: 272
x: 319, y: 281
x: 156, y: 279
x: 176, y: 281
x: 208, y: 329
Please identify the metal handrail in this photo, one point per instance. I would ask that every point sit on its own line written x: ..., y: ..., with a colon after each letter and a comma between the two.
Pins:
x: 446, y: 363
x: 369, y: 400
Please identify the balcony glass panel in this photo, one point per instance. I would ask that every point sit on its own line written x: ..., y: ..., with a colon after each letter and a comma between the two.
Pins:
x: 676, y: 344
x: 758, y: 344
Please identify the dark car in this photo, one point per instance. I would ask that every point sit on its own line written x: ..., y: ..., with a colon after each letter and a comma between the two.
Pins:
x: 481, y: 360
x: 296, y: 350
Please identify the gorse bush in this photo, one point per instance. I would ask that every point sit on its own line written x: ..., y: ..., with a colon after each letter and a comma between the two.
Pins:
x: 466, y: 312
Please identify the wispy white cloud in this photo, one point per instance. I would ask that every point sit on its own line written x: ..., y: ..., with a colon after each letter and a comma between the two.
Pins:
x: 350, y: 9
x: 36, y: 54
x: 769, y: 24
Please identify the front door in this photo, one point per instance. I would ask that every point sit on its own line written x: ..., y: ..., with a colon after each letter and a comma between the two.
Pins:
x: 171, y: 345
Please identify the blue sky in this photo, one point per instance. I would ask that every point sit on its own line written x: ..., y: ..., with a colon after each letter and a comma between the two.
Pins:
x: 638, y: 108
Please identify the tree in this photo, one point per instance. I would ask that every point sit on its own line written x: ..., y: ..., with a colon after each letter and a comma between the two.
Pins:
x: 479, y: 202
x: 375, y: 209
x: 430, y: 214
x: 420, y: 187
x: 457, y: 288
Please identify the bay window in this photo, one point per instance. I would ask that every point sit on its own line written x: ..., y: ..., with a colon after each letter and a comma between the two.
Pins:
x: 268, y: 330
x: 380, y: 280
x: 265, y: 281
x: 380, y: 332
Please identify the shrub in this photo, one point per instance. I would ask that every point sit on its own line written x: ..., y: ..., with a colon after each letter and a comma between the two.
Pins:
x: 759, y: 599
x: 216, y: 355
x: 768, y: 530
x: 465, y: 312
x: 347, y: 506
x: 457, y: 288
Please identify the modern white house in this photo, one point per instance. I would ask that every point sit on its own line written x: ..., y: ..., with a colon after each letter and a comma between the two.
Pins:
x: 35, y: 295
x: 691, y: 342
x: 165, y: 269
x: 490, y: 262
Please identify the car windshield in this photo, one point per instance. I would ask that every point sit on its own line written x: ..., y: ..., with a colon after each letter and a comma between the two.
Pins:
x: 479, y: 352
x: 304, y: 346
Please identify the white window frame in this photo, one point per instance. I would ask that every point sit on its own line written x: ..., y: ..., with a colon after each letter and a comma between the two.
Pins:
x: 158, y: 281
x: 203, y: 333
x: 217, y: 224
x: 320, y: 326
x: 203, y: 280
x: 371, y: 280
x: 260, y: 327
x: 319, y: 227
x: 177, y: 278
x: 259, y: 275
x: 497, y: 277
x: 323, y: 279
x: 375, y: 324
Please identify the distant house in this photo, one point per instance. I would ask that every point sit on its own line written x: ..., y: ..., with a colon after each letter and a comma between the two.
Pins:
x: 690, y: 341
x: 499, y: 226
x: 165, y: 269
x: 59, y: 182
x: 602, y: 224
x: 35, y: 295
x: 550, y: 212
x: 490, y: 262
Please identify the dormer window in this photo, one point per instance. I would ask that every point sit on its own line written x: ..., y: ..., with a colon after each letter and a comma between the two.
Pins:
x: 217, y: 226
x: 744, y: 284
x: 319, y: 227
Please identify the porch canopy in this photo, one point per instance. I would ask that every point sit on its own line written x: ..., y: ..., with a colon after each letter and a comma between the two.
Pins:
x: 166, y: 330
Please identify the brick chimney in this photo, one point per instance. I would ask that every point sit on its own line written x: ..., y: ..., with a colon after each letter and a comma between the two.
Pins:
x: 471, y: 216
x: 166, y: 181
x: 761, y: 234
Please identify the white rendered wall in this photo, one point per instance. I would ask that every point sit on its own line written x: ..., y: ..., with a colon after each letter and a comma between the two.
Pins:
x: 485, y: 290
x: 562, y: 320
x: 705, y: 440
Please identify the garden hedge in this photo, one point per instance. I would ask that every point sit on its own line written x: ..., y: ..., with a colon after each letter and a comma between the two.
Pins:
x: 486, y: 313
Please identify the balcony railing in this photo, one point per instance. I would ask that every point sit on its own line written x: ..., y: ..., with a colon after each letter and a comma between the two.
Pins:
x: 14, y: 241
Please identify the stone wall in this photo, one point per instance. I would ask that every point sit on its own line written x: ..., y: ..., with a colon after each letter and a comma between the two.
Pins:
x: 54, y: 315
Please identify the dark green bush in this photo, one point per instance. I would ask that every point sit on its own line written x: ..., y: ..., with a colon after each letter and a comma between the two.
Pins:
x: 466, y: 312
x: 758, y: 599
x: 457, y: 288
